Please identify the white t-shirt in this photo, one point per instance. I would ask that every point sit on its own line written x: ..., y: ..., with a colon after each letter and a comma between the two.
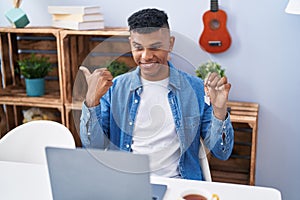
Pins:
x: 154, y: 131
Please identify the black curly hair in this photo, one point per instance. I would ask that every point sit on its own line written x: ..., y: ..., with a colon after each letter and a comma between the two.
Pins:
x: 148, y: 20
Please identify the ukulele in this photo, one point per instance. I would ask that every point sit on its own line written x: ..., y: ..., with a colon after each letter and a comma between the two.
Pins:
x: 215, y: 37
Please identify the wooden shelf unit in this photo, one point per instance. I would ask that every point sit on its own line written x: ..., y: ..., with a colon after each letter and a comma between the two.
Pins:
x: 240, y: 167
x: 16, y: 44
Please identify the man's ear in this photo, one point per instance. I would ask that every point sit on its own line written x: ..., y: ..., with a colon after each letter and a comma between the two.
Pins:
x: 172, y: 41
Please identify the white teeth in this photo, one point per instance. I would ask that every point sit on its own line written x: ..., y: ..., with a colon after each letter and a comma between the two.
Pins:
x: 147, y: 64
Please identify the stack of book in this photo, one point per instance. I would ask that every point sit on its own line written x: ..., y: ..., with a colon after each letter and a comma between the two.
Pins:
x: 77, y: 17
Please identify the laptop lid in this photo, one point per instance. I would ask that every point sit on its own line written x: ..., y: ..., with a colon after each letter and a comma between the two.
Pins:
x: 98, y: 174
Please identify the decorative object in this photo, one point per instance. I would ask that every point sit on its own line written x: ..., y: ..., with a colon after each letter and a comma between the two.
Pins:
x: 16, y: 16
x: 38, y: 114
x: 34, y: 69
x: 215, y: 37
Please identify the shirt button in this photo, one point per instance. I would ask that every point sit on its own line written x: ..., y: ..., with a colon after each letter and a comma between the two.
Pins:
x: 89, y: 133
x: 127, y: 146
x: 130, y: 123
x: 136, y: 101
x: 139, y: 91
x: 88, y: 115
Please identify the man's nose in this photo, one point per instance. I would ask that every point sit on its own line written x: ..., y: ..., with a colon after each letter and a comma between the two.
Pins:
x: 147, y: 54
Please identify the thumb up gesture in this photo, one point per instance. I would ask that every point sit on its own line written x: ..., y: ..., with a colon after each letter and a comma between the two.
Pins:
x: 98, y: 83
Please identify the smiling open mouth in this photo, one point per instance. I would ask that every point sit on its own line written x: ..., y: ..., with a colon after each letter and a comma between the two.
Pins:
x: 148, y: 65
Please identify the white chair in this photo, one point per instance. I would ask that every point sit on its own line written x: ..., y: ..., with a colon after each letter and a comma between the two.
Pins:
x: 27, y: 142
x: 204, y: 162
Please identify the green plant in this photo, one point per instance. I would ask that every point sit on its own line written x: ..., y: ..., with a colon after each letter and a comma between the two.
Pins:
x: 117, y: 68
x: 210, y: 66
x: 34, y: 67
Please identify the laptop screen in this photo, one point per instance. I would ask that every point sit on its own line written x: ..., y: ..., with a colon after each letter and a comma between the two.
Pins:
x: 98, y: 174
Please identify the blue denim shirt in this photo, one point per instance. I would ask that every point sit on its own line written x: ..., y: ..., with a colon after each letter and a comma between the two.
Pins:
x: 110, y: 125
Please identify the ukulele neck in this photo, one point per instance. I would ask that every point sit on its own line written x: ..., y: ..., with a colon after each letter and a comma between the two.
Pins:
x: 214, y: 5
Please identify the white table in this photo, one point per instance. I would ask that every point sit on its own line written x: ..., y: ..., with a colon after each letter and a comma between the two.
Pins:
x: 225, y: 191
x: 24, y: 181
x: 31, y: 182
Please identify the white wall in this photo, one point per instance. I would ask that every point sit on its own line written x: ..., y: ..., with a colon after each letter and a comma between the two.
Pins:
x: 262, y: 64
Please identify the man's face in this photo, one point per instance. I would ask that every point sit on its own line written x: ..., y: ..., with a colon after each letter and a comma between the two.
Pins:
x: 150, y: 51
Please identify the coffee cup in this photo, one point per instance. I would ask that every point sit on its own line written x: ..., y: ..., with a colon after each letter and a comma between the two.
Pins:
x: 195, y: 194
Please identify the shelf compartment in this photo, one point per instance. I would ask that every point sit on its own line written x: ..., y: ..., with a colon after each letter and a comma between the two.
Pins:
x: 19, y: 43
x: 240, y: 167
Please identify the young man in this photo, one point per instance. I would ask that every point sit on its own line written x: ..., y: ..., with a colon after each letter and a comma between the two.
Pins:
x: 157, y: 109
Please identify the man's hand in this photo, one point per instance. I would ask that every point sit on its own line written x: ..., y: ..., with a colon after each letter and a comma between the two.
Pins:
x: 98, y: 83
x: 217, y: 89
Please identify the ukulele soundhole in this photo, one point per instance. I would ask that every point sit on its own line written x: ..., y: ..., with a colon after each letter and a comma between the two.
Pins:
x: 214, y: 24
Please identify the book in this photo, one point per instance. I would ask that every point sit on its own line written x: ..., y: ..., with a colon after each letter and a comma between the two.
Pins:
x: 78, y: 17
x: 73, y: 9
x: 90, y: 25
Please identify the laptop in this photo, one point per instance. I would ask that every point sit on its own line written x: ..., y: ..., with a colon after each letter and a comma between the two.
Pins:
x: 97, y: 174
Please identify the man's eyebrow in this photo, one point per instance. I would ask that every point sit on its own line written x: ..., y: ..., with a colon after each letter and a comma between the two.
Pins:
x: 151, y: 45
x: 156, y: 44
x: 135, y: 43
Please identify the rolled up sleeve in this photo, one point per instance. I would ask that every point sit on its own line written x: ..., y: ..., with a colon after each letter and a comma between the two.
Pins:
x: 91, y: 133
x: 221, y: 137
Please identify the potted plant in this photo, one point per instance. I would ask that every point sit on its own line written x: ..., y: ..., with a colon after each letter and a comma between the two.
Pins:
x: 203, y: 70
x: 117, y: 68
x: 34, y: 69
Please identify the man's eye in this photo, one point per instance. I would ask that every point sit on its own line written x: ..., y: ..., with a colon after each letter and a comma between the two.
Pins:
x: 138, y: 47
x: 154, y: 48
